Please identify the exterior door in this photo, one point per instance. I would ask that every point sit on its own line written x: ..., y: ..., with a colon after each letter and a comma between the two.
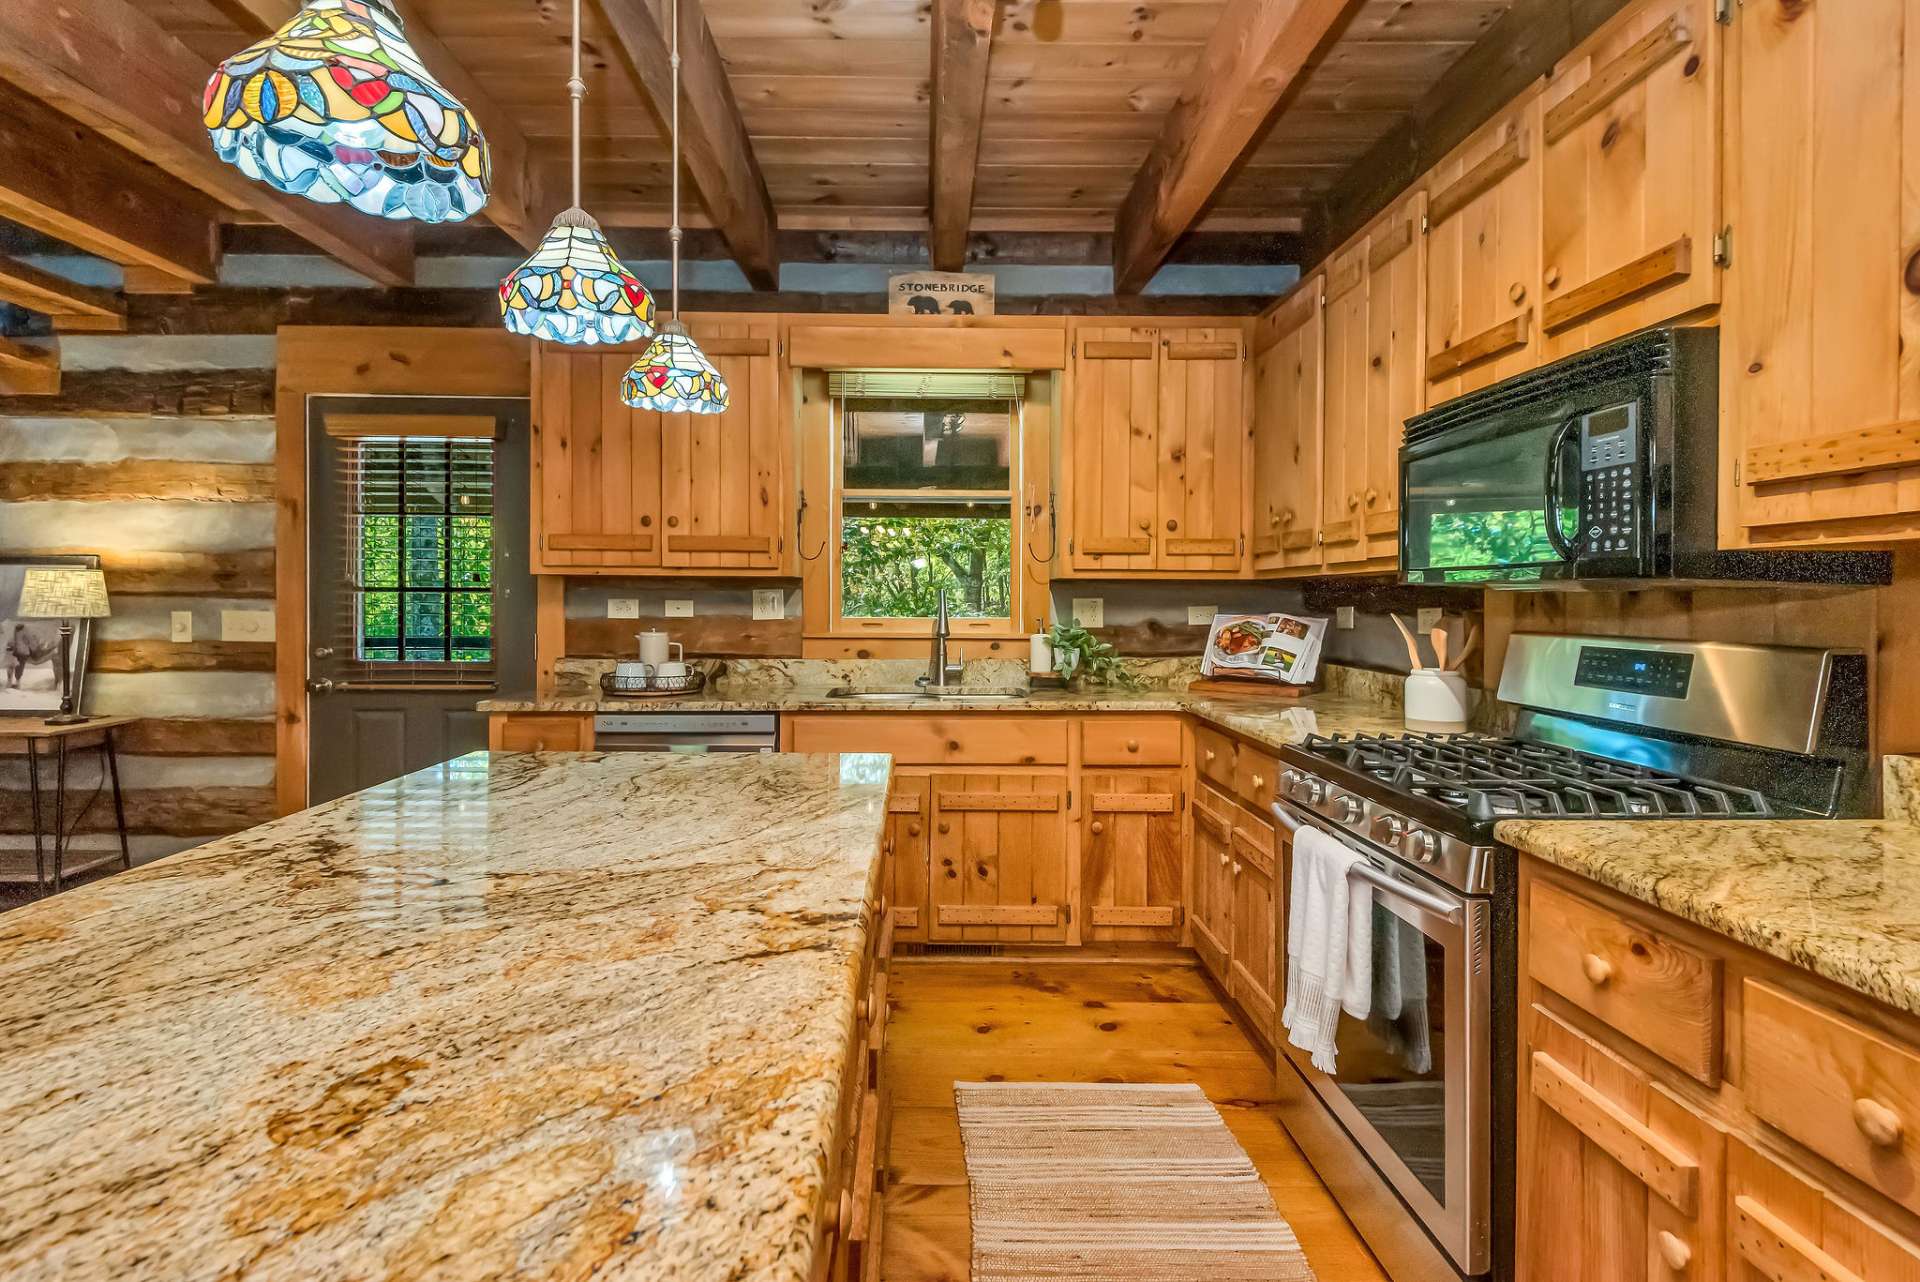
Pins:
x: 420, y: 600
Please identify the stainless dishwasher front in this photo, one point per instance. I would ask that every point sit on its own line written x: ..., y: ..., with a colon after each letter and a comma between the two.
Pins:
x: 687, y: 732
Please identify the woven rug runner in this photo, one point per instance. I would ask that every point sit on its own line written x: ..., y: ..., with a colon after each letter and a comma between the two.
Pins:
x: 1106, y: 1183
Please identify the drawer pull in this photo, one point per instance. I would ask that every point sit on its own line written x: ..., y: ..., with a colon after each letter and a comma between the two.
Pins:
x: 1098, y: 827
x: 1598, y: 969
x: 1236, y: 867
x: 1211, y: 754
x: 1133, y: 745
x: 1223, y: 860
x: 1259, y: 782
x: 1676, y: 1254
x: 1880, y: 1124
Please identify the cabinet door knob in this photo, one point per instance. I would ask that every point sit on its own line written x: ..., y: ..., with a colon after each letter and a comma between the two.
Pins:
x: 1599, y: 970
x: 1553, y: 279
x: 1259, y: 782
x: 1172, y: 526
x: 1373, y: 496
x: 1236, y: 867
x: 913, y: 829
x: 1223, y: 859
x: 887, y: 846
x: 1880, y: 1124
x: 945, y: 828
x: 1098, y: 827
x: 1146, y: 524
x: 1518, y: 294
x: 1211, y: 754
x: 1133, y: 745
x: 1676, y: 1254
x: 1353, y: 502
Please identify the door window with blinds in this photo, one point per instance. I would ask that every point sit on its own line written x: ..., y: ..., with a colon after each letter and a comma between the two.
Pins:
x: 420, y: 556
x: 927, y: 471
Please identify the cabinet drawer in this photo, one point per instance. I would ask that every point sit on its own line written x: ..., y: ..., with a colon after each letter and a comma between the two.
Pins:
x: 1213, y: 755
x: 1130, y: 743
x: 1254, y: 774
x: 1843, y: 1090
x: 541, y: 734
x: 1647, y: 985
x: 1782, y: 1226
x: 938, y: 741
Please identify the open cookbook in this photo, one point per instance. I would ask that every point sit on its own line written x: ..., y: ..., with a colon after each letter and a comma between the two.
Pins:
x: 1269, y: 647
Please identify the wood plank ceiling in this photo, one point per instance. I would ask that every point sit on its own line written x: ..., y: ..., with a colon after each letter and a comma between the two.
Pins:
x: 835, y: 96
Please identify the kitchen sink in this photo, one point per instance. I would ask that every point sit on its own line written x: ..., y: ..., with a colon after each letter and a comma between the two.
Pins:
x: 914, y: 694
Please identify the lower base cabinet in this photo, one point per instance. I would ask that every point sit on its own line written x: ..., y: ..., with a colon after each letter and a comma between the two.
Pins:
x: 1238, y: 904
x: 997, y: 862
x: 848, y: 1245
x: 1132, y: 869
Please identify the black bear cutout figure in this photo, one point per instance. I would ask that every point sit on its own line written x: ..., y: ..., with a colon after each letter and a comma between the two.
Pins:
x: 961, y: 307
x: 924, y: 306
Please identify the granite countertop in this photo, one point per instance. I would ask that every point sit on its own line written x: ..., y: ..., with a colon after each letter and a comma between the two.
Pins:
x: 512, y: 1016
x: 1272, y: 723
x: 1839, y: 898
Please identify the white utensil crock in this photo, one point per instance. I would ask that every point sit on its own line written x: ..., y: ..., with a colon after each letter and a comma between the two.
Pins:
x: 1436, y: 701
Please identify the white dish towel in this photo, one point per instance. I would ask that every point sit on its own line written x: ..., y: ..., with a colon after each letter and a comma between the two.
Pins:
x: 1329, y: 945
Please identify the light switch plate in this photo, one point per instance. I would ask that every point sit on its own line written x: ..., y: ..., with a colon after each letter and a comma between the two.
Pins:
x: 769, y: 603
x: 1430, y: 618
x: 182, y: 627
x: 1343, y: 617
x: 246, y: 625
x: 1090, y: 611
x: 679, y: 609
x: 623, y: 608
x: 1201, y: 616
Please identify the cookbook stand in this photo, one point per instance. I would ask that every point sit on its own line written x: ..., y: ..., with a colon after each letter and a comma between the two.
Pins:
x: 1259, y: 691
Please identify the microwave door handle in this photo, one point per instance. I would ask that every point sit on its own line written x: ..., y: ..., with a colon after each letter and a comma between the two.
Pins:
x: 1567, y: 550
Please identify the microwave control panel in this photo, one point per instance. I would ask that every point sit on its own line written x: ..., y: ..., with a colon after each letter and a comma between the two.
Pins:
x: 1611, y: 481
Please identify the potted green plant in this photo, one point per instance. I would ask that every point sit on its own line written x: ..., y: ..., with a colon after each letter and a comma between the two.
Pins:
x: 1082, y: 658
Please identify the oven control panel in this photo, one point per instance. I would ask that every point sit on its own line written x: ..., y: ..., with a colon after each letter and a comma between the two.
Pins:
x: 1665, y: 674
x: 1611, y: 500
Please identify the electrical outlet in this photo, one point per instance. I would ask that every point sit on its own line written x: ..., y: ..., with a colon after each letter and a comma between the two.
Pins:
x: 679, y: 609
x: 1090, y: 611
x: 1430, y: 618
x: 182, y: 627
x: 246, y: 625
x: 769, y: 603
x: 623, y: 608
x: 1343, y: 618
x: 1201, y: 616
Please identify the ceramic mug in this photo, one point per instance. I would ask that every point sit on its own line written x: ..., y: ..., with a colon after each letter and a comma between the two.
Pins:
x: 672, y: 670
x: 629, y: 670
x: 655, y: 648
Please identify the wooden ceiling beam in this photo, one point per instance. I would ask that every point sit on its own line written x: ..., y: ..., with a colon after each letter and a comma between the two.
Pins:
x: 1256, y: 54
x: 518, y: 204
x: 962, y: 52
x: 713, y: 138
x: 110, y: 66
x: 65, y: 180
x: 60, y: 298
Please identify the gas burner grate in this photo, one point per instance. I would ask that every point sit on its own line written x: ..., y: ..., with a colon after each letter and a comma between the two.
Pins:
x: 1489, y: 779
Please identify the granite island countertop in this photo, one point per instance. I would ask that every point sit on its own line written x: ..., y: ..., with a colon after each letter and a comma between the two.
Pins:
x: 1272, y: 723
x: 512, y: 1016
x: 1839, y: 898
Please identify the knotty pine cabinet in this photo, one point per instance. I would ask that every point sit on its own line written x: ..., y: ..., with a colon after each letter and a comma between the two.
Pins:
x: 623, y: 491
x: 1156, y: 450
x: 1288, y: 418
x: 1630, y: 171
x: 1132, y: 865
x: 1235, y: 880
x: 1691, y: 1109
x: 1820, y: 333
x: 997, y: 860
x: 1483, y: 256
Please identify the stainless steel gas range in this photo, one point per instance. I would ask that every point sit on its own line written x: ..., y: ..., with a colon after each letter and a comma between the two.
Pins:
x: 1606, y: 729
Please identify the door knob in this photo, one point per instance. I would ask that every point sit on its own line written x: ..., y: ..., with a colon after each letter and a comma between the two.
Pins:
x: 320, y: 685
x: 323, y: 652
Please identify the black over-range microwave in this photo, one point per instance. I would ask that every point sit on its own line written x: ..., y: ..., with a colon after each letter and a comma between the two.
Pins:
x: 1599, y: 471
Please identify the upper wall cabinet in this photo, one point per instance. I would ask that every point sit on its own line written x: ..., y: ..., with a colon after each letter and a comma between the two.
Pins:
x: 617, y: 490
x: 1374, y: 384
x: 1288, y: 421
x: 1820, y: 336
x: 1156, y: 450
x: 1483, y: 256
x: 1630, y: 127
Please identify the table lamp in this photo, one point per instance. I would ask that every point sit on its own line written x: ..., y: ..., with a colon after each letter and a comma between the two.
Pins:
x: 66, y: 594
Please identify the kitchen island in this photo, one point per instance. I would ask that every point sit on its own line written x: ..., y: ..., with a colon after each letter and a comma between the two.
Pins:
x: 523, y: 1017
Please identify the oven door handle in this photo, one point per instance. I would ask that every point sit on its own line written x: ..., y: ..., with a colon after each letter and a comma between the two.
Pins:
x: 1366, y: 872
x: 1566, y: 550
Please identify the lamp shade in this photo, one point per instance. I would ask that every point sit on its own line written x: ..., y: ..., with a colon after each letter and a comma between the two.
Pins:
x: 673, y: 376
x: 337, y: 107
x: 57, y: 592
x: 575, y: 290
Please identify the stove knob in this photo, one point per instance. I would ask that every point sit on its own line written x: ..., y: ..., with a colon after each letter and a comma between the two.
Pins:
x: 1395, y: 828
x: 1315, y: 791
x: 1423, y: 846
x: 1349, y: 810
x: 1288, y: 778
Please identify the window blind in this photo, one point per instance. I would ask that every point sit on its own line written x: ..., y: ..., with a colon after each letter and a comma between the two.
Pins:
x: 939, y: 385
x: 419, y: 554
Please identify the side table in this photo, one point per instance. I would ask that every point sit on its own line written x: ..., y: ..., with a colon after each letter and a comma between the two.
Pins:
x: 61, y: 743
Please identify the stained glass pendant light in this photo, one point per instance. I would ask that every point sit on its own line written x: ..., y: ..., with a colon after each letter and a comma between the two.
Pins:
x: 574, y: 289
x: 673, y: 375
x: 337, y: 107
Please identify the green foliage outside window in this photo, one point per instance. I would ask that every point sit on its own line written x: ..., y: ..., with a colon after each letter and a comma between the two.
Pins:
x: 1492, y: 538
x: 452, y: 618
x: 893, y: 567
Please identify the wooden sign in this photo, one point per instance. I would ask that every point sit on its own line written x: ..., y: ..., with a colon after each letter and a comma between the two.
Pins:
x: 940, y: 294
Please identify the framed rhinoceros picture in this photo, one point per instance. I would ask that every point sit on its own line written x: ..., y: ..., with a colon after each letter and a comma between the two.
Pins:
x: 31, y: 647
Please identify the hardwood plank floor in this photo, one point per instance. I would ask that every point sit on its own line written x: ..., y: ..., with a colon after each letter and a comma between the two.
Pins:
x: 1068, y: 1021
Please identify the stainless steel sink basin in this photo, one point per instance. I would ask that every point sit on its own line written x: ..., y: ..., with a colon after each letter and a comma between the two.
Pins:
x: 954, y: 694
